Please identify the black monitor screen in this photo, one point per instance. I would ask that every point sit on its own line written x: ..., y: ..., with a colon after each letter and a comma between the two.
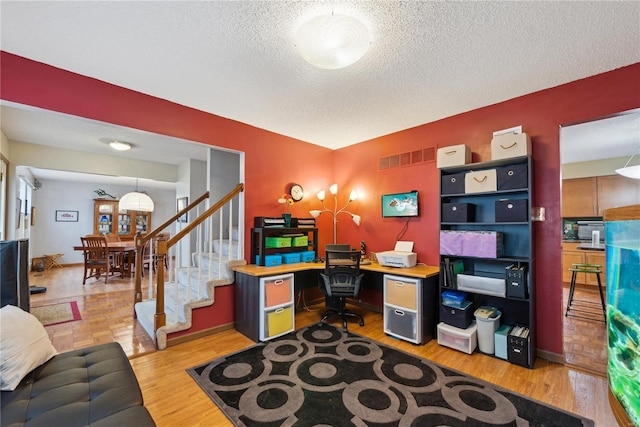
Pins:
x: 400, y: 204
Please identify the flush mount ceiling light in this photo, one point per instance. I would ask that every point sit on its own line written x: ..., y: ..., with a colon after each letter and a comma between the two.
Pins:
x: 333, y: 41
x: 120, y: 146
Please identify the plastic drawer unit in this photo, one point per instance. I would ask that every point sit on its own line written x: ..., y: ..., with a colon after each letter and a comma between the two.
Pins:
x: 276, y: 306
x: 459, y: 339
x: 403, y: 307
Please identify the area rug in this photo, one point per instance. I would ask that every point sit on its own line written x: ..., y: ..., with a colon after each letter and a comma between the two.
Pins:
x: 57, y: 313
x: 322, y: 376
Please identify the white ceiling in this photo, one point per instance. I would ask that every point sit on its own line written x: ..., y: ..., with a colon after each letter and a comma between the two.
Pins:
x: 427, y: 61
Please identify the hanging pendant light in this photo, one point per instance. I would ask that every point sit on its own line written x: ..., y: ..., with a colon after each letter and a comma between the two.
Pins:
x: 136, y: 201
x: 630, y: 171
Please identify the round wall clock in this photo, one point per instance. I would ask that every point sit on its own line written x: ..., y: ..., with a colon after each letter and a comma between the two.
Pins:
x: 296, y: 191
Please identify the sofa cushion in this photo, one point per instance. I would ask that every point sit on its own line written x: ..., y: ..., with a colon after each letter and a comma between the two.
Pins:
x: 95, y: 386
x: 24, y: 345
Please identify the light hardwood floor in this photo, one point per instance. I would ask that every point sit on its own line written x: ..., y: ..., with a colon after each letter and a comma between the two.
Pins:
x: 174, y: 399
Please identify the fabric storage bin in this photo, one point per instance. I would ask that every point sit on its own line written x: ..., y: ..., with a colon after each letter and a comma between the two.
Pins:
x: 510, y: 145
x: 458, y: 212
x: 516, y: 279
x: 291, y: 258
x: 300, y: 241
x: 459, y: 339
x: 278, y: 321
x: 512, y: 177
x: 512, y: 210
x: 460, y: 317
x: 500, y: 339
x: 482, y: 285
x: 277, y: 291
x: 277, y: 242
x: 454, y: 155
x: 482, y: 244
x: 307, y: 256
x: 450, y: 242
x: 480, y: 181
x: 270, y: 260
x: 518, y: 349
x: 452, y: 184
x: 402, y: 323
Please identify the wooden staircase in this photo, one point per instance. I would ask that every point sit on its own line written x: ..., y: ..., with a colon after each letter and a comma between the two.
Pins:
x: 192, y: 276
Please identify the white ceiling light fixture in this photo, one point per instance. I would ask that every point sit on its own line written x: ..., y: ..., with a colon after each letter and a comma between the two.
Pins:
x: 136, y: 201
x: 630, y: 171
x: 120, y: 146
x: 333, y: 41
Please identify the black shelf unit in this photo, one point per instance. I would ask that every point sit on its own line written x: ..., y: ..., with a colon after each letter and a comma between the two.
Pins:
x: 518, y: 243
x: 259, y: 249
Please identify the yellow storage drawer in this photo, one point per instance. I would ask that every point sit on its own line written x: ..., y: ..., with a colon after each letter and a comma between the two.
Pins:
x: 278, y: 321
x: 278, y: 290
x: 401, y: 291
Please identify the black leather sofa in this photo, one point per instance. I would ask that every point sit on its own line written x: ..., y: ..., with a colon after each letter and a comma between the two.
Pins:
x: 95, y: 386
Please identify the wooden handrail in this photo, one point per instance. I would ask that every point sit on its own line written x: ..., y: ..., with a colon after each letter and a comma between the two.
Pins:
x: 163, y: 249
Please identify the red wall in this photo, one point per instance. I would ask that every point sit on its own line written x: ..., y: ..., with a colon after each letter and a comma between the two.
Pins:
x: 540, y: 115
x: 273, y: 161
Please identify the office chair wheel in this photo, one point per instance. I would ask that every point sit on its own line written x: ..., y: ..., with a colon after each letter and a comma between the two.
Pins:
x: 361, y: 323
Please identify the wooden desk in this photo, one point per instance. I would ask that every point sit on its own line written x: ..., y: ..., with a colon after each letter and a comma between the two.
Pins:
x: 419, y: 271
x: 252, y: 283
x: 124, y: 248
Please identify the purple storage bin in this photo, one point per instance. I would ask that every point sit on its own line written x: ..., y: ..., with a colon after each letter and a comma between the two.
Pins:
x: 482, y: 244
x: 450, y: 242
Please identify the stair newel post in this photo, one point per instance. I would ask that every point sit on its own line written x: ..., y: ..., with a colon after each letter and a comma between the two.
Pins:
x: 160, y: 318
x: 137, y: 275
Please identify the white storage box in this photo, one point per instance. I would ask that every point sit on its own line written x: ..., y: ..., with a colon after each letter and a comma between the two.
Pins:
x: 454, y: 155
x: 460, y: 339
x: 482, y: 285
x: 510, y: 145
x: 481, y: 181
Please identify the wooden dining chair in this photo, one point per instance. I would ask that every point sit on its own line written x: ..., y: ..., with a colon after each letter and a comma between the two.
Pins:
x: 96, y: 257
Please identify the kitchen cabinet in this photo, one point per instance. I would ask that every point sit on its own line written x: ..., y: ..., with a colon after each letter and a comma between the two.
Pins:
x: 615, y: 191
x: 589, y: 197
x: 579, y: 197
x: 109, y: 219
x: 572, y: 255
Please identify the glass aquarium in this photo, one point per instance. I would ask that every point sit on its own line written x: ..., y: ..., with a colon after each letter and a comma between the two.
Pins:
x: 622, y: 239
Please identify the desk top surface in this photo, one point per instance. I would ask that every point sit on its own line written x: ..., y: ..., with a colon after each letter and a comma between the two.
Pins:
x: 420, y: 271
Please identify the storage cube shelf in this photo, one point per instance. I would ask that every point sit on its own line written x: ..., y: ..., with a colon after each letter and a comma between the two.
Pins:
x: 290, y: 245
x: 507, y: 211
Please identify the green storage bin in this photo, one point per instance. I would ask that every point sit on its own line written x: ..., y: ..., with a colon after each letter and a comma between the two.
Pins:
x: 277, y: 242
x: 300, y: 241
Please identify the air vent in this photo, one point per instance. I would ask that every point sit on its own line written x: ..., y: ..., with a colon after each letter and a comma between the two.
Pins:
x: 406, y: 159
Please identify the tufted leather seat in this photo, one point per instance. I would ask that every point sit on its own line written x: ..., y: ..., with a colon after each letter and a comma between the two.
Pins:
x: 95, y: 386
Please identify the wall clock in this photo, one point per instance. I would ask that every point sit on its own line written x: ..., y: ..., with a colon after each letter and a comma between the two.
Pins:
x: 296, y: 191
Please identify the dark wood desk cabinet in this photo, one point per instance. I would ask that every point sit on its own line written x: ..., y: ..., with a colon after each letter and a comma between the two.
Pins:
x: 265, y: 303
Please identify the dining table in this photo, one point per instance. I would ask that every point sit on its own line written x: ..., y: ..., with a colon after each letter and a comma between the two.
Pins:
x: 126, y: 249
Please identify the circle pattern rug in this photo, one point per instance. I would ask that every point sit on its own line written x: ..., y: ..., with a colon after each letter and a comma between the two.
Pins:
x: 322, y: 376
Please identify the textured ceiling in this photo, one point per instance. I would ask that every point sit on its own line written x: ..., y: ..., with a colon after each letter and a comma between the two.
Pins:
x: 427, y: 61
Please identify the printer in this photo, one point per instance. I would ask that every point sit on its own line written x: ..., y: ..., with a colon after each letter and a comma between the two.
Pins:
x: 400, y: 256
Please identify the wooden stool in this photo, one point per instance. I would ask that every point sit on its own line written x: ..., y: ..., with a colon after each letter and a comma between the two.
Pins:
x: 52, y: 261
x: 581, y: 306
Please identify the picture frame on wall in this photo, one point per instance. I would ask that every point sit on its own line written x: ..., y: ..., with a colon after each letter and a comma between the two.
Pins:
x: 181, y: 204
x: 66, y: 216
x: 33, y: 215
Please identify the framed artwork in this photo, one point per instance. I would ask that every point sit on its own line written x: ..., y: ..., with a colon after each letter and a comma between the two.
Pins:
x: 182, y: 203
x: 33, y: 215
x: 66, y: 216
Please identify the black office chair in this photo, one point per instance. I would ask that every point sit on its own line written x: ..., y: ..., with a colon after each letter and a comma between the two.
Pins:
x: 341, y: 279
